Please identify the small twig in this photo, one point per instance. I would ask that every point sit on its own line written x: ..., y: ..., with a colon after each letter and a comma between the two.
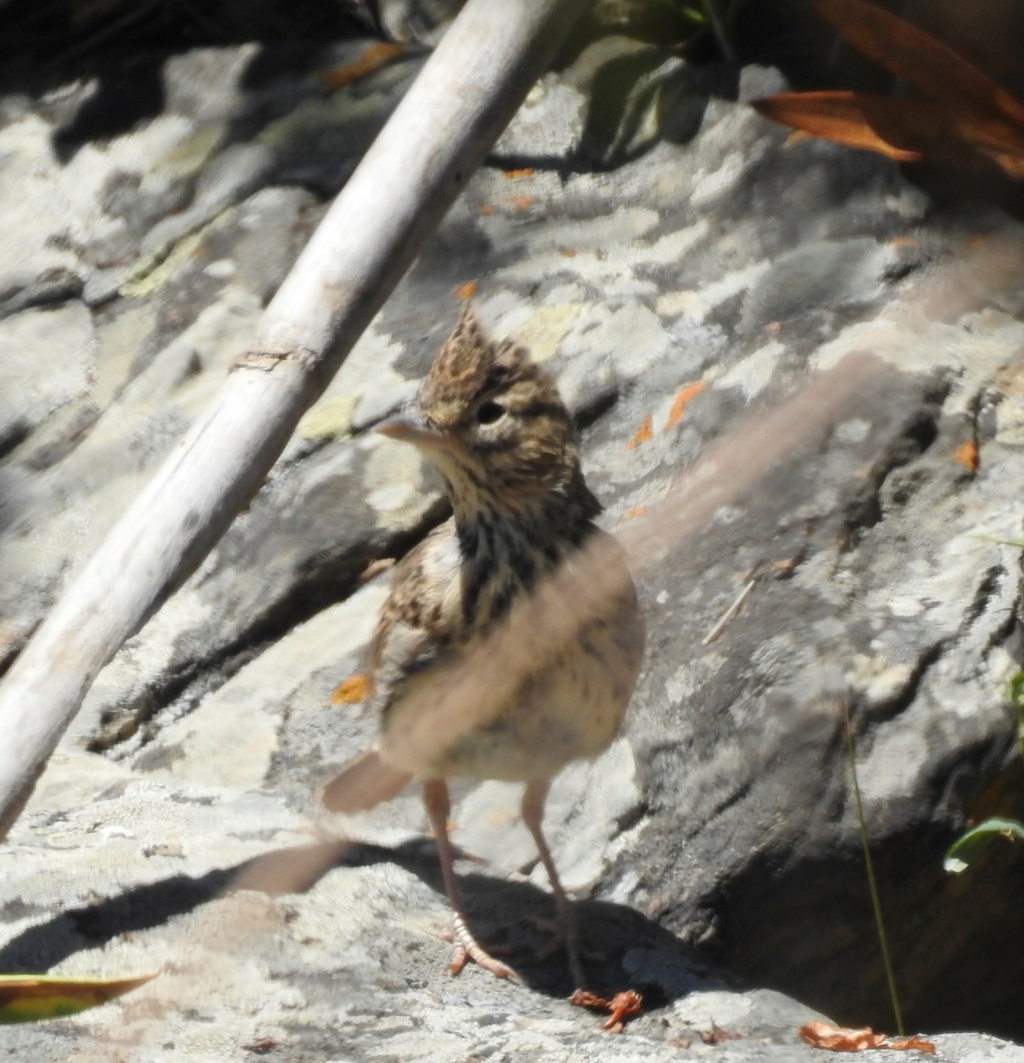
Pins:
x: 876, y: 904
x: 728, y: 615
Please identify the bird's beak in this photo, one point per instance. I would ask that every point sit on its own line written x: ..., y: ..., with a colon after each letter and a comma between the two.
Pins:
x: 411, y: 430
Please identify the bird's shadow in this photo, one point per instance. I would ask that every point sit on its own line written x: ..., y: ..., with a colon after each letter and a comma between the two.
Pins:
x: 506, y: 915
x: 516, y: 918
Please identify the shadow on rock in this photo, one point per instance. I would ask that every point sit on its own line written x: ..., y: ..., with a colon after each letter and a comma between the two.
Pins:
x: 44, y: 945
x: 621, y: 948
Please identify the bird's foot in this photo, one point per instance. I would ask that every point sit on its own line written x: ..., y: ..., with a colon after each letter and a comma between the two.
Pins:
x: 623, y: 1006
x: 468, y: 948
x: 563, y: 936
x: 554, y: 929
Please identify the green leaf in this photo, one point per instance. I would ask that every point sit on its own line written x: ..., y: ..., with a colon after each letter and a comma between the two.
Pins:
x: 975, y: 841
x: 637, y: 99
x: 32, y: 997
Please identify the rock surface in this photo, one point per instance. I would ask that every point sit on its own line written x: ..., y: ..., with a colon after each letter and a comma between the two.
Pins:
x: 719, y: 834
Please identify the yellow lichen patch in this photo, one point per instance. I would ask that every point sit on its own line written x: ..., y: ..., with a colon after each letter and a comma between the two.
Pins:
x: 192, y: 153
x: 153, y: 272
x: 330, y: 418
x: 546, y: 329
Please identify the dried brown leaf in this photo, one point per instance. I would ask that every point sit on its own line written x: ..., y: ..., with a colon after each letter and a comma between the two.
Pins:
x: 985, y: 115
x: 844, y: 1039
x: 836, y: 116
x: 376, y: 56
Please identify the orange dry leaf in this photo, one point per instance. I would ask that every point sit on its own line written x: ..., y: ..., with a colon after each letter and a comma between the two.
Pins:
x: 916, y: 1041
x: 520, y: 203
x: 686, y: 392
x: 376, y: 56
x: 841, y: 117
x: 839, y: 1038
x: 967, y: 454
x: 567, y: 252
x: 967, y: 119
x: 986, y: 115
x: 486, y: 210
x: 636, y: 511
x: 465, y: 291
x: 514, y: 175
x: 843, y: 1039
x: 352, y: 690
x: 643, y: 433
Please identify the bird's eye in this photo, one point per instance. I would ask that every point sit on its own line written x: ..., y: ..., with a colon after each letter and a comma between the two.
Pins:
x: 489, y: 412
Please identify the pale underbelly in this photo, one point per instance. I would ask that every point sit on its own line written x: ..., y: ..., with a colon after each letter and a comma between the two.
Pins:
x: 572, y: 708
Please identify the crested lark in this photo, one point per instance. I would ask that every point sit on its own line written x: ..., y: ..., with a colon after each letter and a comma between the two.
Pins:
x: 539, y: 688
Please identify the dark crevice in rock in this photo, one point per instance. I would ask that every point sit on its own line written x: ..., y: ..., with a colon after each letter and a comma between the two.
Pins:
x: 986, y: 591
x: 1008, y: 631
x: 880, y: 711
x: 49, y: 290
x: 797, y: 917
x: 864, y: 510
x: 15, y: 435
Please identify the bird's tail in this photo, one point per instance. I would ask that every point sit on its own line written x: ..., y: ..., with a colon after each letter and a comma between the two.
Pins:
x: 367, y: 782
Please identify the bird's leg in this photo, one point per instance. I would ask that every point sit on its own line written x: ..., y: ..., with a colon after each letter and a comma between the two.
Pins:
x: 438, y: 805
x: 533, y: 813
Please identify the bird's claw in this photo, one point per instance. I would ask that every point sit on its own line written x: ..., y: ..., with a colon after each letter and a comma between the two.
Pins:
x: 468, y: 948
x: 623, y: 1006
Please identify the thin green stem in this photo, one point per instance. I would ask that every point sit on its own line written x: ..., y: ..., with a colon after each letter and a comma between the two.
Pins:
x: 883, y: 939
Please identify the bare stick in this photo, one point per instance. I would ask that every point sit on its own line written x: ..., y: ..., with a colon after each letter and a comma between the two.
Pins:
x: 728, y: 615
x: 463, y: 98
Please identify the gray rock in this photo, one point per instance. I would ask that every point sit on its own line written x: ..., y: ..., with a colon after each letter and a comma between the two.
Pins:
x: 714, y: 849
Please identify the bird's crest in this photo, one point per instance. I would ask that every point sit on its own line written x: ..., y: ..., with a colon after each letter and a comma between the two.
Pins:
x: 468, y: 365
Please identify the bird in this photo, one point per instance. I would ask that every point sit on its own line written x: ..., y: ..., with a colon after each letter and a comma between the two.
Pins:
x: 511, y: 639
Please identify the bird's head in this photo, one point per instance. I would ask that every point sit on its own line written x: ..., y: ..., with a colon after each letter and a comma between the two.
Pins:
x: 492, y: 422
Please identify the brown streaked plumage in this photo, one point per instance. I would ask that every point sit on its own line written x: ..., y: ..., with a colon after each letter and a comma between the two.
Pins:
x: 494, y: 426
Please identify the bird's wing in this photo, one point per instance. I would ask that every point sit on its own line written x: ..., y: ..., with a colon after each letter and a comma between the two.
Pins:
x: 422, y: 616
x: 417, y: 622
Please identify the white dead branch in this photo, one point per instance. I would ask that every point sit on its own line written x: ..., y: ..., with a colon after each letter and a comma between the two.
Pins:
x: 465, y: 95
